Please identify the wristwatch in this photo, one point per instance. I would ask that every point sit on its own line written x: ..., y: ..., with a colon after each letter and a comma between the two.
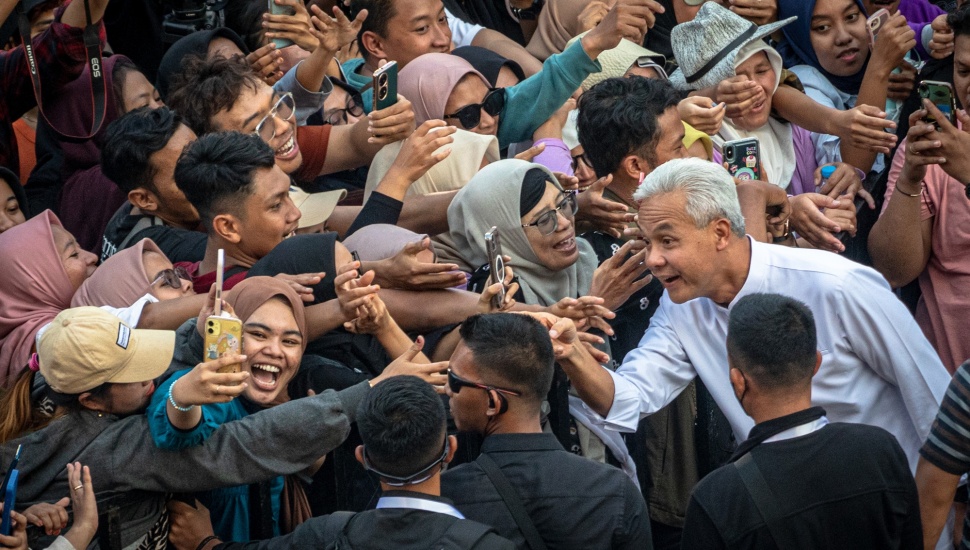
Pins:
x: 526, y: 14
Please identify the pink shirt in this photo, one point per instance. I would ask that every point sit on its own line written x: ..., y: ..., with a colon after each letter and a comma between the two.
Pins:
x: 944, y: 308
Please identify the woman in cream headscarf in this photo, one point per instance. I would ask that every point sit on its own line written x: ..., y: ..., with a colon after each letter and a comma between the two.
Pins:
x: 509, y: 195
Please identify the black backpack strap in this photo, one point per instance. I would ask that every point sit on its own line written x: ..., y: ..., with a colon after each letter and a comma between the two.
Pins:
x: 768, y: 506
x: 463, y: 534
x: 512, y: 501
x: 335, y: 530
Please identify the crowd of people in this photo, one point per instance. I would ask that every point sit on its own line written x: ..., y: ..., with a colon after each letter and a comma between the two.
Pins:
x: 492, y: 274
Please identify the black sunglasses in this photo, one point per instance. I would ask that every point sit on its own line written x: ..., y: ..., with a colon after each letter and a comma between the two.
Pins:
x: 354, y: 107
x: 424, y: 474
x: 470, y: 116
x: 172, y: 277
x: 582, y: 157
x: 456, y: 383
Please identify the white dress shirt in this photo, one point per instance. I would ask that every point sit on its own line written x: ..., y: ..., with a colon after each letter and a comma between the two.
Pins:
x: 877, y: 367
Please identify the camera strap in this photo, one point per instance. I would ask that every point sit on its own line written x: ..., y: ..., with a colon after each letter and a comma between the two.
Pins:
x: 92, y: 45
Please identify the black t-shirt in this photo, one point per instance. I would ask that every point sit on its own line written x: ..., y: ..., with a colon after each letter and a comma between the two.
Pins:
x: 180, y: 245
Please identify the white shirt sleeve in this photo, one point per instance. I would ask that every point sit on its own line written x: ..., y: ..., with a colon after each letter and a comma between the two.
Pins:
x: 131, y: 315
x: 652, y: 375
x: 462, y: 32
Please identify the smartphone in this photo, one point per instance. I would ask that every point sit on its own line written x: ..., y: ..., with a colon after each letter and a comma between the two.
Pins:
x: 9, y: 501
x: 275, y: 9
x: 876, y: 22
x: 13, y: 466
x: 496, y: 264
x: 223, y: 332
x: 385, y: 86
x: 742, y: 158
x: 940, y: 94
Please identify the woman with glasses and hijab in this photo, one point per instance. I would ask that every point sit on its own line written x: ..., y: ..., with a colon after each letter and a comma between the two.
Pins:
x: 535, y: 219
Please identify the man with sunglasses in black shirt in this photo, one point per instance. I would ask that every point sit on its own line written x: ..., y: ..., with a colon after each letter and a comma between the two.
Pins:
x: 500, y: 373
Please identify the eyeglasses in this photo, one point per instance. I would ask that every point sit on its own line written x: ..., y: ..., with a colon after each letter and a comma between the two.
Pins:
x: 456, y: 383
x: 548, y: 222
x: 284, y: 109
x: 355, y: 107
x: 420, y: 476
x: 470, y: 116
x: 172, y: 277
x: 582, y: 157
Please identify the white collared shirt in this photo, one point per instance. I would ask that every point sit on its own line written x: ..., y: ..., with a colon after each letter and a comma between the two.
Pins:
x: 417, y: 503
x: 877, y: 367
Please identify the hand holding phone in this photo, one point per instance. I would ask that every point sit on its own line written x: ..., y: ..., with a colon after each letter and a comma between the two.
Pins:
x: 275, y: 9
x: 496, y: 264
x: 876, y: 22
x: 9, y: 502
x: 742, y: 158
x: 942, y: 96
x: 223, y: 331
x: 385, y: 86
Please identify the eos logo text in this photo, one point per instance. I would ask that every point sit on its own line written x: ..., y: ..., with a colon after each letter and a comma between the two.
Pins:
x: 95, y: 67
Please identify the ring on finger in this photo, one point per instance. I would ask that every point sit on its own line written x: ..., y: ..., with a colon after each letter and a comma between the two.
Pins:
x: 79, y: 487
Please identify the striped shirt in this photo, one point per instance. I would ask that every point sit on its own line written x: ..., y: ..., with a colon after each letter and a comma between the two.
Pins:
x: 948, y: 446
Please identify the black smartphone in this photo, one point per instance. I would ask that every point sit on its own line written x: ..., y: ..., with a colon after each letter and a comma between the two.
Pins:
x: 742, y: 158
x: 385, y: 86
x: 940, y: 94
x: 496, y: 264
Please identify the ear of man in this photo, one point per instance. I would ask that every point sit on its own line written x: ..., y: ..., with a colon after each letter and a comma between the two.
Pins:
x: 373, y: 44
x: 632, y: 166
x: 227, y: 227
x: 143, y: 199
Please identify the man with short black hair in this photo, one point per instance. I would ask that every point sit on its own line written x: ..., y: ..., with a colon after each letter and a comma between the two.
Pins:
x: 139, y: 154
x: 405, y: 443
x: 243, y: 199
x: 500, y: 374
x: 798, y: 481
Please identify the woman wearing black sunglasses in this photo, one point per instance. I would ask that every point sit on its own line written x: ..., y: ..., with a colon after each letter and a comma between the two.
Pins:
x: 447, y: 87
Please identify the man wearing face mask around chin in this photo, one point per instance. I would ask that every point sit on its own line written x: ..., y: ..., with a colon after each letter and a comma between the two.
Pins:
x: 796, y: 471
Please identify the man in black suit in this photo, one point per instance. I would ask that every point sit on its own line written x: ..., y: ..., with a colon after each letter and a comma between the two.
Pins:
x: 798, y: 481
x: 500, y: 373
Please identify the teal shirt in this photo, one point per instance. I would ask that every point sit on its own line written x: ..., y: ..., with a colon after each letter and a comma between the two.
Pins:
x: 529, y: 103
x: 229, y: 506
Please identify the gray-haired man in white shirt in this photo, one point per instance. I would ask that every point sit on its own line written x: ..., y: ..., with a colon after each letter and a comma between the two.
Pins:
x: 877, y: 367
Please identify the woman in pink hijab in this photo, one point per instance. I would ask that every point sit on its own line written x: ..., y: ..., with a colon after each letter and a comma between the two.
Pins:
x: 43, y: 266
x: 133, y: 273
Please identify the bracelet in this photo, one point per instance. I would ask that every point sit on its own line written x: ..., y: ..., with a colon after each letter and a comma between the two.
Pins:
x: 914, y: 195
x: 206, y: 541
x: 183, y: 409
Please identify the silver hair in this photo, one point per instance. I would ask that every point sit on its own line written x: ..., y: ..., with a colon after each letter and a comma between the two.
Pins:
x: 709, y: 188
